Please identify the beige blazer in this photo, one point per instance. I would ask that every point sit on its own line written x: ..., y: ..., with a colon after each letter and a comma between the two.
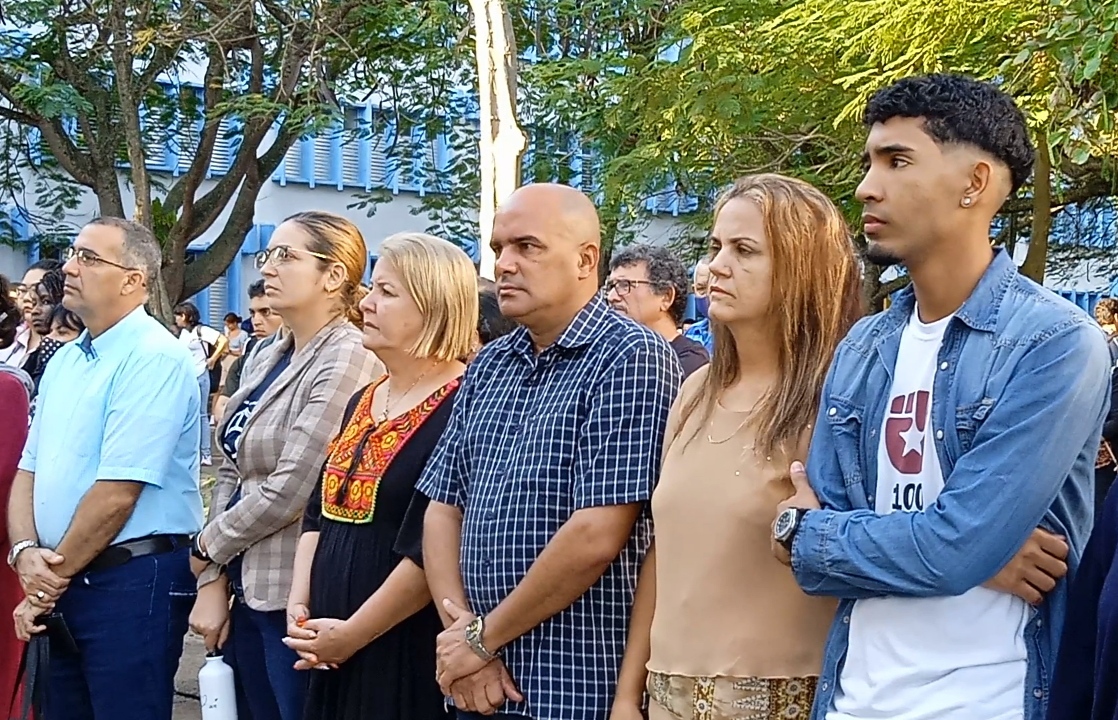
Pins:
x: 279, y: 456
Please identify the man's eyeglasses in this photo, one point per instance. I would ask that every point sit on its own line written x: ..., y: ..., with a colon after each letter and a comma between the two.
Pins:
x: 88, y: 258
x: 623, y: 287
x: 282, y: 253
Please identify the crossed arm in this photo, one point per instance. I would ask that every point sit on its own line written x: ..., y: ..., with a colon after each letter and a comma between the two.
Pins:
x: 1019, y: 461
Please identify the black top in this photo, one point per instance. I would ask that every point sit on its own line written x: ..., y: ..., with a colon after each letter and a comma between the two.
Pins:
x: 692, y: 355
x: 393, y: 677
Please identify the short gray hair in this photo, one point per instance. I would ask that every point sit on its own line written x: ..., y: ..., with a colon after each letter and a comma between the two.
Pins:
x: 141, y: 249
x: 665, y: 271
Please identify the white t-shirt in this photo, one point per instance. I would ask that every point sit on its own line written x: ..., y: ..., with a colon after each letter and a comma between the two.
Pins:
x: 939, y: 658
x: 193, y: 340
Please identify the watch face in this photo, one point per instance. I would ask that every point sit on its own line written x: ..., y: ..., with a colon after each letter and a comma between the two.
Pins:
x: 783, y: 525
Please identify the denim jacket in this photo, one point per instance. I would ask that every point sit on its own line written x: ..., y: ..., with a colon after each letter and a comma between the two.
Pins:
x: 1020, y: 393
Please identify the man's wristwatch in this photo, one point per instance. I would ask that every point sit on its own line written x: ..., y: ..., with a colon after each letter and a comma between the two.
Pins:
x: 474, y: 631
x: 13, y: 554
x: 196, y: 549
x: 786, y: 525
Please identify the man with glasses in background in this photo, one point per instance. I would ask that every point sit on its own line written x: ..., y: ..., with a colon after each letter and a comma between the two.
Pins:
x: 27, y: 340
x: 649, y: 284
x: 106, y: 497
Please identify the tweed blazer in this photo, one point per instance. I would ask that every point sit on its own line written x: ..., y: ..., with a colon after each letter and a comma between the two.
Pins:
x: 279, y: 456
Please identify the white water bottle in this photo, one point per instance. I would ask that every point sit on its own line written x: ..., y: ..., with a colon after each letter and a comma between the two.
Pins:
x: 216, y: 690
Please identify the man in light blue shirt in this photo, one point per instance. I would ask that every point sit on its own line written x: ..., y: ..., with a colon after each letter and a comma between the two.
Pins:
x: 107, y: 495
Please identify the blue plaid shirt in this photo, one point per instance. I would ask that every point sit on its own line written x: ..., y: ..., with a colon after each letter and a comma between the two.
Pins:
x: 532, y: 439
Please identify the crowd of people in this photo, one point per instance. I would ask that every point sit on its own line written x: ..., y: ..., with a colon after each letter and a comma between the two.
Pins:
x: 545, y: 498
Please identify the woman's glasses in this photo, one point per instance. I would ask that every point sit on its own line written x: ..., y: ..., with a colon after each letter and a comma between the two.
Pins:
x: 282, y: 253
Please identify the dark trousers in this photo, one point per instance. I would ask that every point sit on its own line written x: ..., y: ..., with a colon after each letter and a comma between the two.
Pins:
x: 128, y: 623
x: 1104, y: 478
x: 268, y: 685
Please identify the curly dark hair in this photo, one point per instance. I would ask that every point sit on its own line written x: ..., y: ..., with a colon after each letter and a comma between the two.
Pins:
x: 10, y: 315
x: 665, y: 271
x: 958, y: 109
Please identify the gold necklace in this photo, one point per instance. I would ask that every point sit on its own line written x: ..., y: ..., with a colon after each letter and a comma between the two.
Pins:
x: 388, y: 396
x: 748, y: 416
x: 712, y: 441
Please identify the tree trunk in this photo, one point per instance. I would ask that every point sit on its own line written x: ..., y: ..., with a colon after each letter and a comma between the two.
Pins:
x: 1036, y: 260
x: 501, y: 141
x: 159, y: 304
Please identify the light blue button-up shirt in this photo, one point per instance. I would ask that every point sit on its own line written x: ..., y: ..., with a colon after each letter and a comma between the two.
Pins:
x: 121, y: 406
x: 1021, y: 390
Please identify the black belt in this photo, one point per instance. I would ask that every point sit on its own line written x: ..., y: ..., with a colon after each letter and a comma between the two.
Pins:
x: 116, y: 555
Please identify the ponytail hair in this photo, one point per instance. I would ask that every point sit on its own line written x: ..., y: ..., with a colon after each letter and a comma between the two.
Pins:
x: 352, y: 295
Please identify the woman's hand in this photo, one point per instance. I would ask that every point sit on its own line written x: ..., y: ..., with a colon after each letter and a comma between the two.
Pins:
x: 332, y: 644
x: 210, y: 616
x: 297, y: 615
x: 626, y: 710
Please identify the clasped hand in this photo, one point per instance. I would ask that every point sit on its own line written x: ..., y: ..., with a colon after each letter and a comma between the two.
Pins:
x: 321, y: 643
x: 475, y: 684
x: 38, y: 577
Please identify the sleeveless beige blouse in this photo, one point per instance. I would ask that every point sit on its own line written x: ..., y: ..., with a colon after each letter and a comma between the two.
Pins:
x: 725, y: 607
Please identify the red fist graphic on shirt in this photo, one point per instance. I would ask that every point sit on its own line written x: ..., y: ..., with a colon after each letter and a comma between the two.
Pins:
x: 905, y: 431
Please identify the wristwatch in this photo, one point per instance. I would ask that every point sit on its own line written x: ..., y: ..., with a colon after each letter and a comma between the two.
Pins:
x: 19, y: 547
x: 786, y: 525
x: 196, y: 549
x: 474, y: 631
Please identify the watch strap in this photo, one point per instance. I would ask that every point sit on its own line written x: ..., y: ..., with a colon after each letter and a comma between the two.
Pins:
x: 474, y: 632
x: 787, y: 541
x: 196, y: 549
x: 19, y: 547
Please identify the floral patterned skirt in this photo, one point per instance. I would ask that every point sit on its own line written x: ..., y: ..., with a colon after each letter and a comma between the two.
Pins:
x: 679, y: 697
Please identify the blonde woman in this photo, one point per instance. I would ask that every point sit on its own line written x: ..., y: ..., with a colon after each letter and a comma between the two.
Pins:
x: 726, y: 632
x: 359, y: 570
x: 273, y: 440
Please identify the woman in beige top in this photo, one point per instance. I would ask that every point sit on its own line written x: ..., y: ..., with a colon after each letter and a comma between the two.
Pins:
x: 722, y: 627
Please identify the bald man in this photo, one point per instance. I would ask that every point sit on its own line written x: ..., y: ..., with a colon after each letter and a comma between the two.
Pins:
x: 539, y: 486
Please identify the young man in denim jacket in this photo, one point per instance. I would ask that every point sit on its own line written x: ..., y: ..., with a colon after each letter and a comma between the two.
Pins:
x: 956, y: 439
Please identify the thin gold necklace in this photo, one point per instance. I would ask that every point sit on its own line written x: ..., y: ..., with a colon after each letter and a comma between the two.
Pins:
x: 388, y: 396
x: 712, y: 441
x: 748, y: 416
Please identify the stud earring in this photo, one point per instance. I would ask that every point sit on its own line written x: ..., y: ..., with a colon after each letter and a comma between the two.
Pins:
x: 966, y: 202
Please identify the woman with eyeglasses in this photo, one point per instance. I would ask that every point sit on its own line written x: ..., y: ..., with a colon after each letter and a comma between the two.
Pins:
x: 272, y: 441
x: 26, y: 343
